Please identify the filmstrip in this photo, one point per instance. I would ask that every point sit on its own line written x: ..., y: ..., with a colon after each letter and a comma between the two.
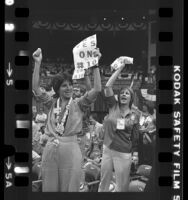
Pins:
x: 93, y: 101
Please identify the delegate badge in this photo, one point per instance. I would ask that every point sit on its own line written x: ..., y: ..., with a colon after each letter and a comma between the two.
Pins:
x: 120, y: 124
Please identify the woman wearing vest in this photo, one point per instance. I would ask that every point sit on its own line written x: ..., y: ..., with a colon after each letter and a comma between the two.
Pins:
x: 120, y: 136
x: 61, y: 159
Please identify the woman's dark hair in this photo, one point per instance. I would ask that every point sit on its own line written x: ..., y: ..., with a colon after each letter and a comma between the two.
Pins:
x: 150, y: 109
x: 131, y: 93
x: 94, y: 116
x: 58, y: 80
x: 48, y: 88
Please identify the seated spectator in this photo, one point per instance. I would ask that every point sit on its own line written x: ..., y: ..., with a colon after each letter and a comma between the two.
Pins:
x: 50, y: 92
x: 147, y: 137
x: 95, y: 126
x: 41, y: 117
x: 34, y: 112
x: 36, y: 134
x: 43, y: 140
x: 36, y: 172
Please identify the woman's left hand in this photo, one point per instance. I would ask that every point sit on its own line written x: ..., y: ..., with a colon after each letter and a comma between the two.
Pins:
x: 98, y: 53
x: 87, y: 72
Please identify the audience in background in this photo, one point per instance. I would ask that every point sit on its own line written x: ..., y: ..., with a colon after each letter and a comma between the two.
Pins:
x: 41, y: 117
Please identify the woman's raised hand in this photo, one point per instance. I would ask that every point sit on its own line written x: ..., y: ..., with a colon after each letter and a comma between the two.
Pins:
x: 98, y: 53
x: 128, y: 60
x: 37, y: 55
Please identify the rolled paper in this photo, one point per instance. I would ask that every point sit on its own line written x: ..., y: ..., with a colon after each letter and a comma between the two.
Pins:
x: 128, y: 60
x: 121, y: 61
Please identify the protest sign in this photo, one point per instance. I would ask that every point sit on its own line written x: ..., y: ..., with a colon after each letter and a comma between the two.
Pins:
x: 78, y: 73
x: 85, y: 56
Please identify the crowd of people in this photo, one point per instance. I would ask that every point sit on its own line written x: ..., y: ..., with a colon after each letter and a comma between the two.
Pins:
x: 73, y: 151
x: 51, y: 68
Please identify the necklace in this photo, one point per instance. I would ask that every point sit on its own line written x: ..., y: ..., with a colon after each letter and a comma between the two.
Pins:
x: 60, y: 125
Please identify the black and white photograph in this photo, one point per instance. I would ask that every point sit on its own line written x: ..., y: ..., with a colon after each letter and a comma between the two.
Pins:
x: 93, y: 97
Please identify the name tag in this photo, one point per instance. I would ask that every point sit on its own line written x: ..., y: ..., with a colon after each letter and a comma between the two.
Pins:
x: 120, y: 124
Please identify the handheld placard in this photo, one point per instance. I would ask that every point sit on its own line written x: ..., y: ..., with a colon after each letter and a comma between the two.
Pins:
x: 85, y: 56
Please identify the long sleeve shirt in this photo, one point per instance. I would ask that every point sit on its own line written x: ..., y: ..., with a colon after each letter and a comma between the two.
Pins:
x: 125, y: 140
x: 73, y: 123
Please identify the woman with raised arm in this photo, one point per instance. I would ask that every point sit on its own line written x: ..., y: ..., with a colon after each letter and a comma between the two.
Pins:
x: 61, y: 159
x: 120, y: 136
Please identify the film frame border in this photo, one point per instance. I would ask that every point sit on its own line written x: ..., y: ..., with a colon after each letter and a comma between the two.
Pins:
x: 165, y: 106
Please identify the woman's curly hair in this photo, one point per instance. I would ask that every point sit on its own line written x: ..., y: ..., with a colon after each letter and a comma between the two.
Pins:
x: 58, y: 80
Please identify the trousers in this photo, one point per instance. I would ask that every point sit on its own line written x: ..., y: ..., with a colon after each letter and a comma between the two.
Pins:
x: 121, y: 164
x: 61, y: 166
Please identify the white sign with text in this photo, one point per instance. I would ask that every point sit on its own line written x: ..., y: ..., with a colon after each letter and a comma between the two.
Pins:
x: 84, y: 55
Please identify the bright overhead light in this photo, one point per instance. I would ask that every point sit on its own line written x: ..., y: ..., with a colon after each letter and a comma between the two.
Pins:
x: 9, y: 2
x: 9, y: 27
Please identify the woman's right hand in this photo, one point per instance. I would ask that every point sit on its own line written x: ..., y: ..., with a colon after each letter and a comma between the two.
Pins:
x: 98, y: 53
x: 37, y: 55
x: 128, y: 60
